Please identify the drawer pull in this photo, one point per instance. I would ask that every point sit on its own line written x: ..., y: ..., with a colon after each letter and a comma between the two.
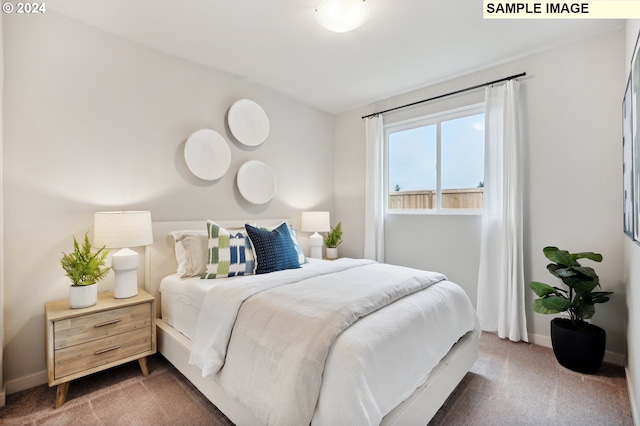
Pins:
x: 112, y: 348
x: 102, y: 324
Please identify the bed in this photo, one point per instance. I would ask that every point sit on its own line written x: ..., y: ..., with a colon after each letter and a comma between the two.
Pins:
x: 375, y: 371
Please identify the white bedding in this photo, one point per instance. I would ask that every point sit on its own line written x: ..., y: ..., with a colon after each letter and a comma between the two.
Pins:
x: 376, y: 363
x: 182, y: 299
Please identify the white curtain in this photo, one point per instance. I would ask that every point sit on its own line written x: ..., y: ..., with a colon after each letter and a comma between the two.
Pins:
x: 374, y: 193
x: 501, y: 287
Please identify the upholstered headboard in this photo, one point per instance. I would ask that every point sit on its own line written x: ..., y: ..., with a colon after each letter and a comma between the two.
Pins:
x: 160, y: 258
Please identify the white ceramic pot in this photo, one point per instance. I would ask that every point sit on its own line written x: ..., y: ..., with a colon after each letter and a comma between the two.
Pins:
x: 332, y: 253
x: 83, y: 296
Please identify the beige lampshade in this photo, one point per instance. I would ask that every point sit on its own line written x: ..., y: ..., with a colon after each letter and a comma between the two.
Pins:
x: 315, y: 222
x: 122, y: 229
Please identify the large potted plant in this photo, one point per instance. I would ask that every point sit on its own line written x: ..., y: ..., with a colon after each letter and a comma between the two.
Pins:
x: 332, y: 240
x: 577, y: 344
x: 85, y: 268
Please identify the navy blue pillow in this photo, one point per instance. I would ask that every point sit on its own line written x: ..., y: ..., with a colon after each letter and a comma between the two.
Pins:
x: 274, y: 250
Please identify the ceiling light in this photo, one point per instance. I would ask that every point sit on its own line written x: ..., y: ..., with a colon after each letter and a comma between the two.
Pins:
x: 342, y: 15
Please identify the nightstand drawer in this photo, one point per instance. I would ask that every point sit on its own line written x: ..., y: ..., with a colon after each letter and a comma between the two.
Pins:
x: 87, y: 340
x: 77, y: 358
x: 74, y: 331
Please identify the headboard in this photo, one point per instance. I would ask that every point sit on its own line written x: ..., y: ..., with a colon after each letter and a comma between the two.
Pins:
x: 160, y: 259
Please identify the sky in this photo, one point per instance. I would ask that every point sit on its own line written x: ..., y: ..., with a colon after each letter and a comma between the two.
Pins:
x: 412, y: 155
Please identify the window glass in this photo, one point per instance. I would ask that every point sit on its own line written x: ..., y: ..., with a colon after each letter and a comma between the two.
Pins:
x: 412, y: 168
x: 462, y: 145
x: 436, y: 163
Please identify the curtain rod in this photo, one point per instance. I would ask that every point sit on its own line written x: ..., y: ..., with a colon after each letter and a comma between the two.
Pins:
x: 489, y: 83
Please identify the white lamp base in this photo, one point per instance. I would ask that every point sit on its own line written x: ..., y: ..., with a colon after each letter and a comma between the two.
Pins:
x: 315, y: 242
x: 125, y: 266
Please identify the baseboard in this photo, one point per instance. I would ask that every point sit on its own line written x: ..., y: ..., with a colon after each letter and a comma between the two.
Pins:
x: 632, y: 398
x: 27, y: 382
x: 610, y: 357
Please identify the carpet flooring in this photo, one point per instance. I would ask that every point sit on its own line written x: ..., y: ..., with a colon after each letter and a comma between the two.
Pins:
x: 510, y: 384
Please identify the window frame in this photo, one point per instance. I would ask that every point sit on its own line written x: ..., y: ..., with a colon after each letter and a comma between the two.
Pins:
x: 423, y: 121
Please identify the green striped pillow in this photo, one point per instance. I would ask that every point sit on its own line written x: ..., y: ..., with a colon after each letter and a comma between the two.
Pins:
x: 229, y: 253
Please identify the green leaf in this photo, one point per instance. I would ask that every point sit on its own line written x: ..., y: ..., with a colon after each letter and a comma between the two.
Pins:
x: 596, y: 257
x: 586, y: 270
x: 580, y: 280
x: 600, y: 296
x: 542, y: 289
x: 585, y: 309
x: 561, y: 257
x: 558, y: 303
x: 83, y: 266
x: 551, y: 305
x: 333, y: 238
x: 537, y: 307
x: 583, y: 286
x: 561, y: 272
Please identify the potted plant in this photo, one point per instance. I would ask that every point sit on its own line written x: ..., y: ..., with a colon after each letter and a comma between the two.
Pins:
x: 577, y: 344
x: 332, y: 240
x: 85, y: 268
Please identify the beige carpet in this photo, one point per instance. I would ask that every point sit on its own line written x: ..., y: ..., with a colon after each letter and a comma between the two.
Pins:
x: 510, y: 384
x: 521, y: 384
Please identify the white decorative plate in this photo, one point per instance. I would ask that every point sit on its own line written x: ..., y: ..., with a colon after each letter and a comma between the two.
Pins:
x: 256, y: 182
x: 207, y: 154
x: 248, y: 122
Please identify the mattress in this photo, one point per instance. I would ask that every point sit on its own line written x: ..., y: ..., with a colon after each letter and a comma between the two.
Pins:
x: 182, y: 299
x: 376, y: 363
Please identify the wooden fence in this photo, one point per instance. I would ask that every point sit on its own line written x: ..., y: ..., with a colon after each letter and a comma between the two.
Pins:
x: 470, y: 198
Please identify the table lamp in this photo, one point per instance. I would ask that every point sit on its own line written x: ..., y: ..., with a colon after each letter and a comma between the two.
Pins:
x: 316, y: 222
x: 123, y: 229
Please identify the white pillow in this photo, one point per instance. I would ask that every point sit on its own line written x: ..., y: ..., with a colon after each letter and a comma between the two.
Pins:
x: 191, y: 252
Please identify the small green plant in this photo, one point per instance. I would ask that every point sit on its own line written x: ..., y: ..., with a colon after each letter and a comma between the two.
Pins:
x: 333, y: 238
x: 84, y: 266
x: 580, y: 299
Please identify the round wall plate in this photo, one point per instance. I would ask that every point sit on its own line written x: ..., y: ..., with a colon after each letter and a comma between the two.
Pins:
x: 248, y: 122
x: 256, y: 182
x: 207, y: 154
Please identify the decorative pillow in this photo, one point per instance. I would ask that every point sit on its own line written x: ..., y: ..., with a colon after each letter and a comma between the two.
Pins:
x: 229, y: 253
x: 191, y: 252
x: 302, y: 259
x: 274, y: 250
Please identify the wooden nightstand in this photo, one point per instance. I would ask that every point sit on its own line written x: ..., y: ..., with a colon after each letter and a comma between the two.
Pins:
x: 88, y: 340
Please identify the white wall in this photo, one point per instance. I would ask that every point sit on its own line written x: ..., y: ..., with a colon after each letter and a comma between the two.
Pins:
x: 2, y: 387
x: 93, y: 122
x: 572, y: 98
x: 632, y: 272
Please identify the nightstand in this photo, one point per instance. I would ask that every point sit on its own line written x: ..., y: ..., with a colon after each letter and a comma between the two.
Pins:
x: 88, y: 340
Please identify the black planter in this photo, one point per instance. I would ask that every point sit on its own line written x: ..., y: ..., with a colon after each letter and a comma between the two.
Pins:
x: 578, y: 348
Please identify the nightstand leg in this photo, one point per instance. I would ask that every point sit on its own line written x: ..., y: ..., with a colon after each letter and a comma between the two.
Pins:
x: 61, y: 394
x: 143, y: 365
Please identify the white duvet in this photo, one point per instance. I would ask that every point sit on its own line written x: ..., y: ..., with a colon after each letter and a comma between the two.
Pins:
x: 371, y: 367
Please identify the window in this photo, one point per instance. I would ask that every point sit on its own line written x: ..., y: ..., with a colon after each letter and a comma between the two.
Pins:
x: 436, y: 163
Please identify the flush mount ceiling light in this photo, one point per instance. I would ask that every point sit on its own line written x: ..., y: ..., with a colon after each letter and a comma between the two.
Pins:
x: 341, y: 16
